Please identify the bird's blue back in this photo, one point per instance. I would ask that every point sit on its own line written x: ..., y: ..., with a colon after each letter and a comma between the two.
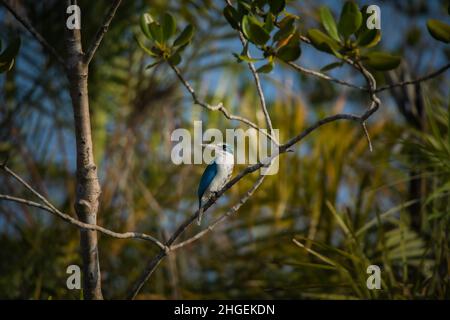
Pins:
x: 207, y: 177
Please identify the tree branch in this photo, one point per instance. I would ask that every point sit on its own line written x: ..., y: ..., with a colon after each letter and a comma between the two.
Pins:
x: 154, y: 262
x: 48, y: 206
x: 87, y: 184
x: 324, y: 76
x: 82, y: 225
x: 388, y: 87
x: 101, y: 31
x: 418, y: 80
x: 222, y: 218
x: 257, y: 82
x: 219, y: 107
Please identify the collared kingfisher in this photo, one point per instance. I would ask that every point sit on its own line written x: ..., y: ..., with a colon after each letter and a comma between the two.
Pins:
x: 216, y: 174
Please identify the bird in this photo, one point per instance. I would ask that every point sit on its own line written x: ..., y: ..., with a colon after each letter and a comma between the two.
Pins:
x: 216, y: 174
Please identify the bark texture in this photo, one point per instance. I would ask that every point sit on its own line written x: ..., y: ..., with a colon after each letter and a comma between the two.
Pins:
x: 88, y: 186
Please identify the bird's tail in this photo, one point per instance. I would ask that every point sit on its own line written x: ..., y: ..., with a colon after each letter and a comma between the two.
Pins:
x: 200, y: 212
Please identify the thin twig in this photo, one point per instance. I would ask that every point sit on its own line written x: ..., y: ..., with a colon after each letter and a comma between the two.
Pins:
x: 257, y: 81
x: 383, y: 88
x: 34, y: 32
x: 324, y: 76
x: 220, y: 107
x: 366, y: 132
x: 259, y: 90
x: 101, y: 31
x: 26, y: 185
x: 82, y: 225
x: 47, y: 206
x: 146, y: 274
x: 222, y: 218
x: 153, y: 263
x: 410, y: 82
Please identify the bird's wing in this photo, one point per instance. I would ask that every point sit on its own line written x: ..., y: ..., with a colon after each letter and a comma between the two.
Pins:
x: 205, y: 181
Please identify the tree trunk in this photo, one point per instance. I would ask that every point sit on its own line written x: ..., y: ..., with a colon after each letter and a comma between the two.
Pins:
x: 88, y: 187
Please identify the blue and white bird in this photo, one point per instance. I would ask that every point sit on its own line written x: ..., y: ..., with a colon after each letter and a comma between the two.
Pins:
x: 216, y: 174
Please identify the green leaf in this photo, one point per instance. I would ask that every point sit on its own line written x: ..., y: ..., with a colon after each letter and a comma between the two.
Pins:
x: 439, y: 30
x: 350, y: 20
x: 175, y: 59
x: 185, y: 36
x: 10, y: 52
x: 369, y: 38
x: 331, y: 66
x: 287, y: 27
x: 323, y: 42
x: 143, y: 47
x: 253, y: 31
x: 169, y: 26
x: 267, y: 68
x: 145, y: 20
x: 268, y: 22
x: 244, y: 7
x: 232, y: 16
x: 156, y: 32
x: 276, y: 6
x: 245, y: 58
x: 291, y: 51
x: 180, y: 49
x: 381, y: 61
x: 151, y: 65
x: 329, y: 23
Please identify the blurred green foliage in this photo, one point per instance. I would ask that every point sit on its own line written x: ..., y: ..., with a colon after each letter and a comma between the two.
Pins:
x: 346, y: 208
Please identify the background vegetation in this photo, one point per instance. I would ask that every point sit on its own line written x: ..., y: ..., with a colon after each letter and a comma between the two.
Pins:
x: 347, y: 207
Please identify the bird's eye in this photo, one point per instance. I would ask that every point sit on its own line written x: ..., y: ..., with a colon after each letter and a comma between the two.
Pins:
x: 224, y: 147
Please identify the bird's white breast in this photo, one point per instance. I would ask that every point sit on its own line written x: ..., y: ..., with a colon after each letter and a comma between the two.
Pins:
x: 225, y: 164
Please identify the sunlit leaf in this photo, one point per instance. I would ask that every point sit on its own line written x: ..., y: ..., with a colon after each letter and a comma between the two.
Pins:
x: 145, y: 20
x: 382, y: 61
x: 369, y: 38
x: 287, y: 27
x: 156, y: 32
x: 185, y: 36
x: 245, y: 58
x: 143, y: 47
x: 328, y: 22
x: 323, y: 42
x: 291, y: 51
x: 253, y: 31
x: 265, y: 68
x: 350, y: 20
x: 169, y: 26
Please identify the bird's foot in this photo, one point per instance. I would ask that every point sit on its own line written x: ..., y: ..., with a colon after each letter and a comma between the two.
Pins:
x: 214, y: 195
